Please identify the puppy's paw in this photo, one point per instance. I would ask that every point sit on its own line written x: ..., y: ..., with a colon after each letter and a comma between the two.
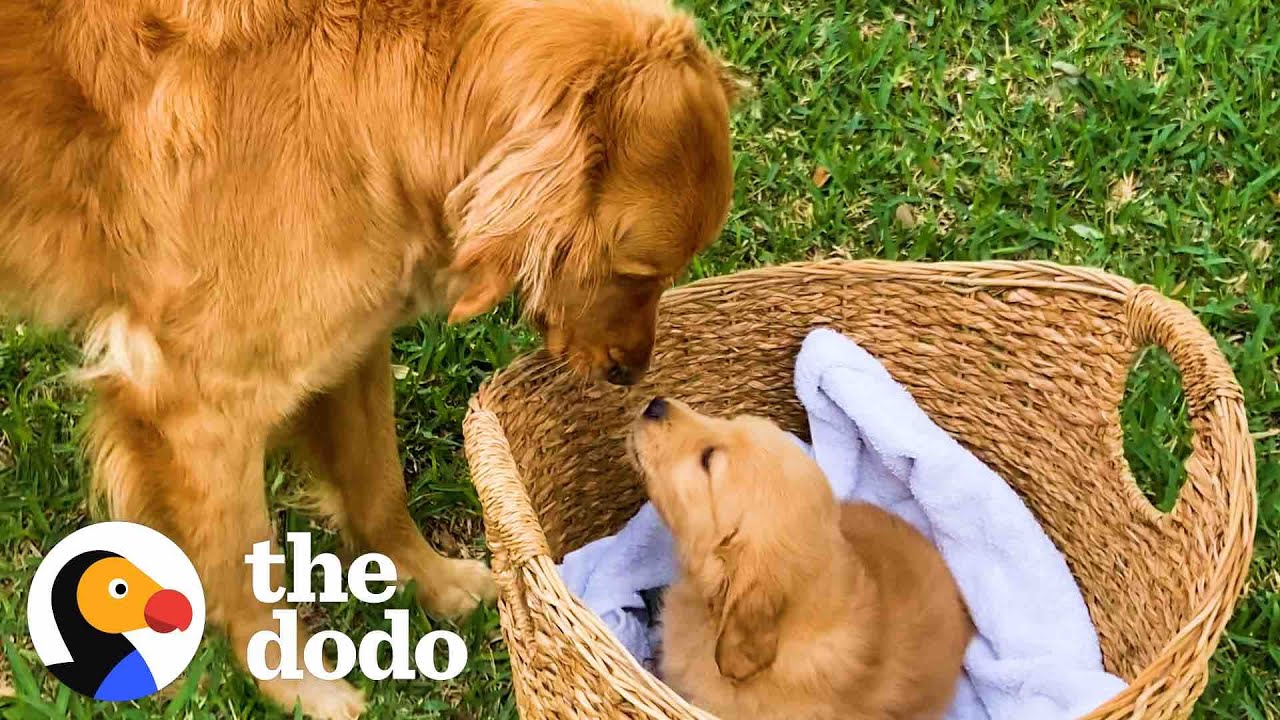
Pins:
x: 320, y: 699
x: 456, y: 588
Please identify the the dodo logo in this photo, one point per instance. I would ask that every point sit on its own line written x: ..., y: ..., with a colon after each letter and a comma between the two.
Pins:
x: 116, y: 611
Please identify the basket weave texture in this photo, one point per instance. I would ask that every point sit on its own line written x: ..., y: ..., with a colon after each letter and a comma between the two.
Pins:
x: 1023, y: 362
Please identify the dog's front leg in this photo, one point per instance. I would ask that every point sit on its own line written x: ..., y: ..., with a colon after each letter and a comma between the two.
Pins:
x: 196, y: 474
x: 348, y: 436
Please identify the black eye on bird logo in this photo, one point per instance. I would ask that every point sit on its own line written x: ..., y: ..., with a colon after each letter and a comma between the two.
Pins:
x: 97, y: 597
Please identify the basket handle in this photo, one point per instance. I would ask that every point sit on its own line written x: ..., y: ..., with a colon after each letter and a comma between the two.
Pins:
x: 1206, y: 376
x: 508, y: 513
x: 1220, y: 488
x: 1220, y: 469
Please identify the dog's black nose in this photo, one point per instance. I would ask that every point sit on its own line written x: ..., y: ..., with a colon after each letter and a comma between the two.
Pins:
x: 620, y: 375
x: 656, y: 409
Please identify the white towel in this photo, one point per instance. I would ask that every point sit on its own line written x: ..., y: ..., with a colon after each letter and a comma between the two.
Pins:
x: 610, y: 574
x: 1036, y: 654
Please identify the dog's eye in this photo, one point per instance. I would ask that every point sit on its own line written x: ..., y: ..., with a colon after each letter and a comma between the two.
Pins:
x: 706, y: 458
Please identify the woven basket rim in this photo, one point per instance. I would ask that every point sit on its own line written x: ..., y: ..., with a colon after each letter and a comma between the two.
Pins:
x: 975, y: 275
x: 1210, y: 389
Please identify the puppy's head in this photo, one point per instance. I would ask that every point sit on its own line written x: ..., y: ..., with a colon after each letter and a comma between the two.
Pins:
x: 751, y: 515
x: 618, y: 172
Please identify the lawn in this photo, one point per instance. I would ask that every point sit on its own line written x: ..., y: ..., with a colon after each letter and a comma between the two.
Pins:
x: 1140, y: 137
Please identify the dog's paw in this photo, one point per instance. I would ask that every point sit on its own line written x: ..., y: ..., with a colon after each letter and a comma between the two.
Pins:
x: 457, y: 588
x: 320, y: 699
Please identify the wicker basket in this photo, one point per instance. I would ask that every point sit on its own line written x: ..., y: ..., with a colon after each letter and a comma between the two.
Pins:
x: 1025, y: 363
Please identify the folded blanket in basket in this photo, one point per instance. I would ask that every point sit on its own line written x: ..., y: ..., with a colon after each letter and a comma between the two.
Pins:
x: 610, y: 575
x: 1036, y: 653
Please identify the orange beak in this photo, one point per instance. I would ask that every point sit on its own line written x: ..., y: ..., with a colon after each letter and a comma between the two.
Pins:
x: 168, y: 610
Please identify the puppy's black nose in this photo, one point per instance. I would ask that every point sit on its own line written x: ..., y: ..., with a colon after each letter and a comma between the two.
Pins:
x: 620, y: 375
x: 656, y: 409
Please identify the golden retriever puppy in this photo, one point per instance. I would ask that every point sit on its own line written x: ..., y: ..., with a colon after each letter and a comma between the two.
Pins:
x: 236, y: 201
x: 789, y: 605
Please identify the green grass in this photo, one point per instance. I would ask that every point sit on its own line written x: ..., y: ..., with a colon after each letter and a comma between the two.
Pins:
x: 1140, y: 137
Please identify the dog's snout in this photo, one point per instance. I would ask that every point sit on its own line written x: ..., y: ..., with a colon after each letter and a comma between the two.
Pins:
x: 656, y: 409
x: 619, y: 374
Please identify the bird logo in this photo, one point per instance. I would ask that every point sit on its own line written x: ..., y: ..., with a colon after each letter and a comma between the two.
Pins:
x: 116, y: 613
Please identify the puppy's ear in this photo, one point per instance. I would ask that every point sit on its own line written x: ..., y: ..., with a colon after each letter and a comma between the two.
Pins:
x: 747, y: 636
x: 503, y: 216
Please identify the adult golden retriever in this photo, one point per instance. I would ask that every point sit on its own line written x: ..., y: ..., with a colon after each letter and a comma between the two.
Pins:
x: 790, y: 605
x: 237, y: 200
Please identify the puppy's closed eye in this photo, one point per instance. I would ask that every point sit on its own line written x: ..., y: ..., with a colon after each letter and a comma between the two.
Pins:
x: 706, y: 458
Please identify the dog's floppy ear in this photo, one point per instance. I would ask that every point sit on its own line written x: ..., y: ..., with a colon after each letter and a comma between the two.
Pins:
x: 534, y: 180
x: 747, y: 634
x: 482, y: 276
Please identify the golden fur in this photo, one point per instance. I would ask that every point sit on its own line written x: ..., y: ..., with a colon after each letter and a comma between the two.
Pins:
x: 236, y: 201
x: 789, y: 605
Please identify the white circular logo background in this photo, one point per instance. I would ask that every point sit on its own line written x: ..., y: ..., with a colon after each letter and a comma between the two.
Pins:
x: 167, y: 654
